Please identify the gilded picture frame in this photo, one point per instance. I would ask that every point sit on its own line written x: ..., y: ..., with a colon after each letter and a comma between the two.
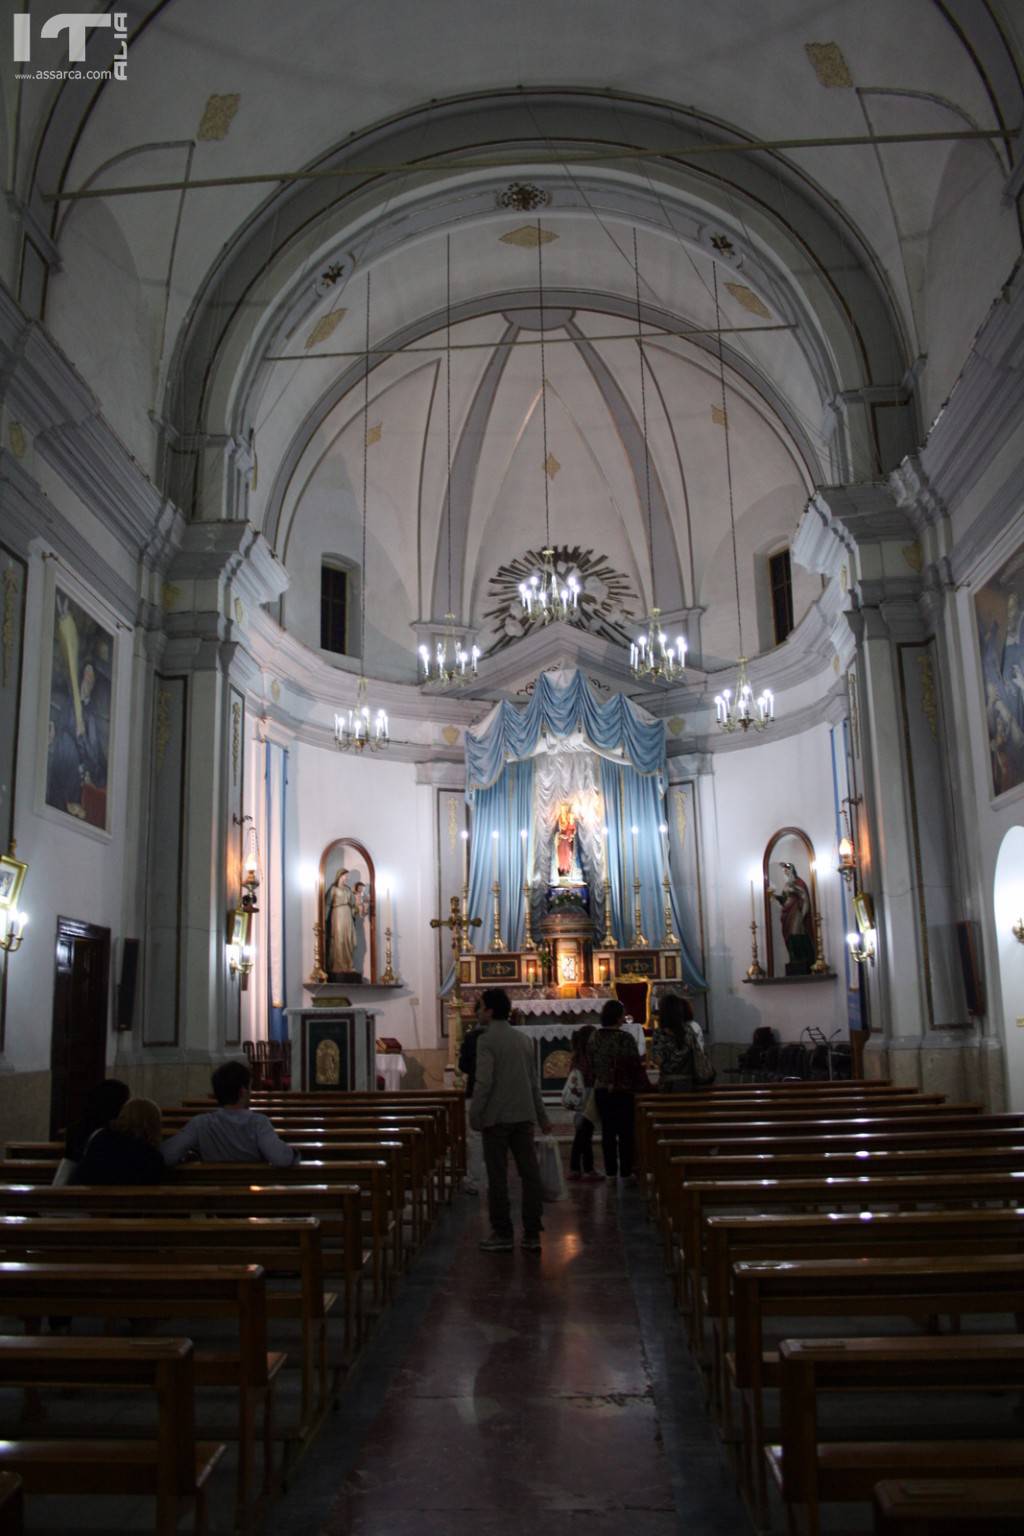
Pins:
x: 12, y: 878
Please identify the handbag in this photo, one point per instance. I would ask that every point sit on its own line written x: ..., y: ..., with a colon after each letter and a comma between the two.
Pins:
x: 575, y: 1091
x: 552, y: 1175
x: 704, y: 1073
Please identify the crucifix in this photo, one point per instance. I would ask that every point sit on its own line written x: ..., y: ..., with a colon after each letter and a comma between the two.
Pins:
x: 459, y: 925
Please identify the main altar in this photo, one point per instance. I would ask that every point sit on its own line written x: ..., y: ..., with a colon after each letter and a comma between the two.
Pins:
x: 567, y: 893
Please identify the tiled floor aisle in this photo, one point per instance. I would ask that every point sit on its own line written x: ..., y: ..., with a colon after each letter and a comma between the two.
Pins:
x: 517, y: 1393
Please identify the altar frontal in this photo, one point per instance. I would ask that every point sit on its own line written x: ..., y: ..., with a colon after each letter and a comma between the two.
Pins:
x: 569, y: 866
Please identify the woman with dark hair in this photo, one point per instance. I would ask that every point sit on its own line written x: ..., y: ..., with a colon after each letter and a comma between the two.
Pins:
x: 102, y: 1106
x: 581, y: 1157
x: 127, y: 1151
x: 618, y: 1074
x: 678, y: 1047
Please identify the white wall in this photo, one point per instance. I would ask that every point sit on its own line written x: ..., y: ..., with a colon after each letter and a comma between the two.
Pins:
x: 377, y: 801
x: 751, y: 794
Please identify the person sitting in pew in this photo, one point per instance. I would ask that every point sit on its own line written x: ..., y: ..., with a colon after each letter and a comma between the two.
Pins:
x: 231, y: 1133
x: 103, y: 1105
x: 126, y: 1152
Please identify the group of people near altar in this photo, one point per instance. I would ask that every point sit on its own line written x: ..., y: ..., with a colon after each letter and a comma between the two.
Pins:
x: 506, y: 1107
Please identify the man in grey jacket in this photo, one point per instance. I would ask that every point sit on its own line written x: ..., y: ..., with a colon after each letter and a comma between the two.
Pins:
x: 506, y: 1107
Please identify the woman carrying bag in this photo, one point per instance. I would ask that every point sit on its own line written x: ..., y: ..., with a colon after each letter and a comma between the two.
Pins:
x: 618, y: 1077
x: 578, y: 1095
x: 678, y: 1048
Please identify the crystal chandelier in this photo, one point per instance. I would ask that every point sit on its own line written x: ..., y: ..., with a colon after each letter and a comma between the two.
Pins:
x: 361, y: 729
x: 738, y: 711
x: 652, y: 658
x: 449, y: 664
x: 543, y: 594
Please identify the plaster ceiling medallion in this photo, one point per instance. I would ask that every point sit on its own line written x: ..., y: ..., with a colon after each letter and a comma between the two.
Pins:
x: 605, y: 599
x: 749, y: 300
x: 217, y: 116
x: 523, y: 196
x: 528, y: 237
x: 829, y: 65
x: 450, y: 735
x: 325, y: 327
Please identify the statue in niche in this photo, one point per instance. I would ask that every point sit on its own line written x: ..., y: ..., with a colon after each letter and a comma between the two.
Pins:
x: 796, y: 920
x: 328, y: 1064
x: 565, y: 841
x: 341, y: 910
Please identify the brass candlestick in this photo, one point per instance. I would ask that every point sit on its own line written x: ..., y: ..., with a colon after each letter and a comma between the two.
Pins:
x: 755, y: 971
x: 528, y: 932
x: 638, y: 923
x: 467, y: 934
x: 670, y: 941
x: 610, y: 941
x: 388, y: 979
x: 820, y: 966
x: 497, y: 943
x: 318, y: 975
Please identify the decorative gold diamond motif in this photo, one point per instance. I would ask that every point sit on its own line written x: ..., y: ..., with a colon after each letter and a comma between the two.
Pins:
x: 829, y: 65
x: 552, y: 466
x: 217, y: 116
x: 451, y: 736
x: 528, y: 237
x: 749, y: 300
x: 325, y: 327
x: 718, y: 416
x: 374, y: 434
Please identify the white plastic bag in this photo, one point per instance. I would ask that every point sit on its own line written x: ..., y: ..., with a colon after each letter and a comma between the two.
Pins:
x: 575, y: 1091
x: 552, y: 1175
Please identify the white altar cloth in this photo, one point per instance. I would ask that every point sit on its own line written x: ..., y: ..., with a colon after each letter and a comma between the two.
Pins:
x: 392, y: 1069
x: 560, y: 1005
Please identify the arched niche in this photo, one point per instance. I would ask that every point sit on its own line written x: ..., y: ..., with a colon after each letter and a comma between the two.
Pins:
x: 1008, y: 909
x: 350, y: 854
x: 789, y: 845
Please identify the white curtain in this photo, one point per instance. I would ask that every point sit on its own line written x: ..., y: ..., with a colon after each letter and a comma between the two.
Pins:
x: 569, y: 775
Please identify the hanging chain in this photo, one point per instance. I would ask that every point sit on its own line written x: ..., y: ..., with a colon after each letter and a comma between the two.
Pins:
x: 366, y: 455
x: 643, y: 419
x: 448, y: 404
x: 543, y: 389
x: 728, y: 462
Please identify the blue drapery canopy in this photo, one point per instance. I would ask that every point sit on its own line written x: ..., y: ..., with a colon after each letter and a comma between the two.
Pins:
x: 564, y: 715
x: 562, y: 706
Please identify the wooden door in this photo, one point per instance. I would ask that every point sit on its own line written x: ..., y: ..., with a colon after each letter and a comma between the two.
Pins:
x: 78, y: 1052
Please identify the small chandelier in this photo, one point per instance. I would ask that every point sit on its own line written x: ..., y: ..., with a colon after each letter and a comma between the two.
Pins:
x: 450, y: 663
x: 739, y: 711
x: 357, y: 730
x: 652, y: 659
x: 543, y: 594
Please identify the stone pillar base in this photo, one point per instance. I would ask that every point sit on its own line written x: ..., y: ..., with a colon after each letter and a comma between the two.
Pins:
x: 966, y: 1067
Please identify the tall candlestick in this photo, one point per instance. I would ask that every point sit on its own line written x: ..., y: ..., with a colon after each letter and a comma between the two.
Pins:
x: 465, y: 857
x: 663, y: 830
x: 753, y: 909
x: 639, y: 938
x: 494, y: 860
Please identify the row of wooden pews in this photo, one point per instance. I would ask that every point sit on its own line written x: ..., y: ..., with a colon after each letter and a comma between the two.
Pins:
x: 267, y: 1282
x: 835, y: 1247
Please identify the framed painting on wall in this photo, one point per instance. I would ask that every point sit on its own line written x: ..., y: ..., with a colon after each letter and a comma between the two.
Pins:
x: 999, y: 616
x: 79, y: 681
x: 348, y: 912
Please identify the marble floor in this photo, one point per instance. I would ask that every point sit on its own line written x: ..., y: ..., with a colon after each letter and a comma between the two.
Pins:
x: 519, y: 1392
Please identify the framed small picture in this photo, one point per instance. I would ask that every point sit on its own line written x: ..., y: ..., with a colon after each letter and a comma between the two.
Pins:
x: 240, y: 923
x: 864, y: 908
x: 12, y: 878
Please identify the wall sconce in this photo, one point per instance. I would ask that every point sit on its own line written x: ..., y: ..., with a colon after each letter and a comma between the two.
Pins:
x: 250, y: 866
x: 12, y: 920
x: 862, y: 946
x: 847, y: 860
x: 241, y: 953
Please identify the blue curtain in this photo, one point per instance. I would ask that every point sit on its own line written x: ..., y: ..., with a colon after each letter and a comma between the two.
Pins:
x: 506, y: 807
x: 632, y: 800
x: 614, y: 729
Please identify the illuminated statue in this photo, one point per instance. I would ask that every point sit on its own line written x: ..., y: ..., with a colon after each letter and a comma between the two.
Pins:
x: 565, y: 841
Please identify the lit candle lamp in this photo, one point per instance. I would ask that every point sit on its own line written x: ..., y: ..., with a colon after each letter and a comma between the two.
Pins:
x: 494, y: 860
x: 465, y: 857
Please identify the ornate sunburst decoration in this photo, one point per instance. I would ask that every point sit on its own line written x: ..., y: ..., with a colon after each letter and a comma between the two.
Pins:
x: 606, y: 597
x: 523, y: 196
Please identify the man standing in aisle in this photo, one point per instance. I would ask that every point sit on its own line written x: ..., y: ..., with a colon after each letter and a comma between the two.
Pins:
x: 506, y: 1107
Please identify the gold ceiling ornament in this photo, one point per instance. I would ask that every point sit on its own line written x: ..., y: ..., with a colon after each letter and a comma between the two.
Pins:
x: 450, y: 735
x: 218, y: 115
x: 275, y: 690
x: 749, y: 300
x: 528, y: 237
x: 17, y: 439
x: 325, y: 327
x: 829, y: 65
x: 552, y: 466
x: 523, y: 196
x: 374, y: 433
x: 913, y: 554
x: 929, y: 701
x: 718, y: 416
x: 169, y: 596
x: 676, y: 725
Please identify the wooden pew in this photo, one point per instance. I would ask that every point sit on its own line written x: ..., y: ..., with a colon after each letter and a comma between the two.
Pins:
x: 809, y: 1474
x: 12, y: 1505
x: 841, y: 1289
x: 233, y: 1293
x: 288, y: 1248
x: 174, y: 1468
x: 941, y: 1506
x: 338, y: 1208
x: 730, y: 1240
